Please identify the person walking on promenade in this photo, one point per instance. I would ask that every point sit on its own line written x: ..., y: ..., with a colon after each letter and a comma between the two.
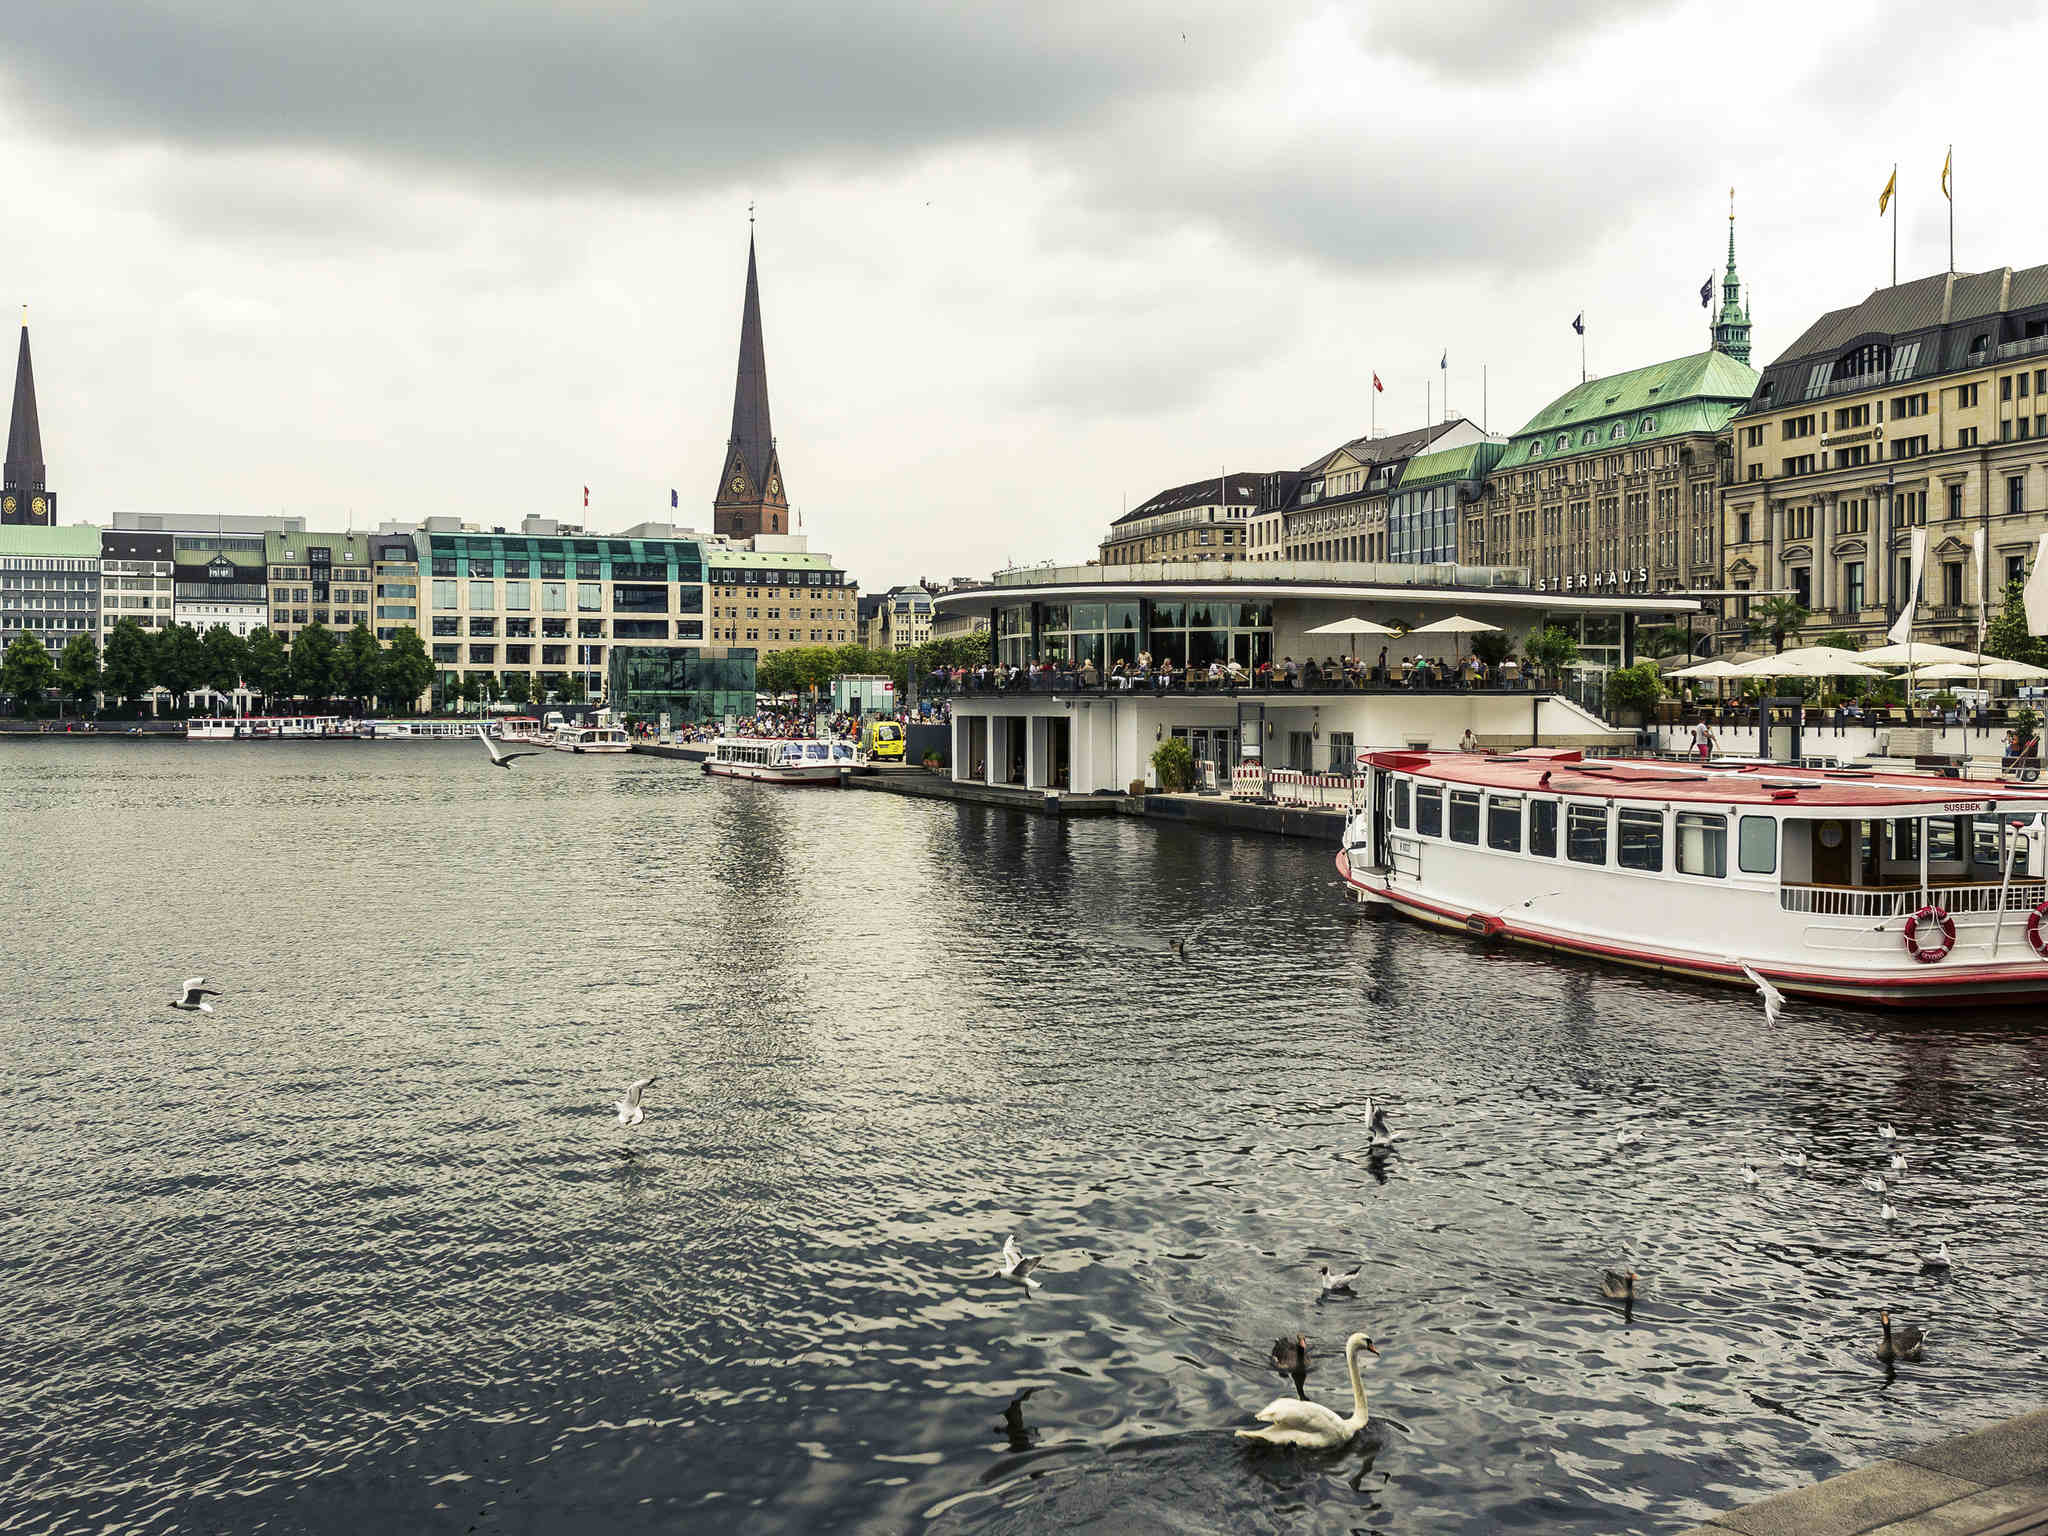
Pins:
x: 1703, y: 740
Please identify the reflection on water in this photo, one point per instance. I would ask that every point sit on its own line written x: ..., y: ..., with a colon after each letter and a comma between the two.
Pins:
x: 357, y: 1251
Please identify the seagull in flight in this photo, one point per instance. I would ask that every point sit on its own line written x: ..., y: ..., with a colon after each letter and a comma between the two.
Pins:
x: 1338, y: 1285
x: 499, y: 757
x: 1774, y: 1000
x: 1016, y: 1267
x: 194, y: 998
x: 630, y: 1112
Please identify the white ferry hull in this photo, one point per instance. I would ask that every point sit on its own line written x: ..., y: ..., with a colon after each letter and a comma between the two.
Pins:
x: 769, y: 773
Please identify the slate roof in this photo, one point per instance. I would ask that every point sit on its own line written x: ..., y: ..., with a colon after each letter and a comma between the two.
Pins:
x: 1384, y: 450
x: 752, y: 431
x: 24, y: 463
x: 1243, y: 487
x: 1696, y: 393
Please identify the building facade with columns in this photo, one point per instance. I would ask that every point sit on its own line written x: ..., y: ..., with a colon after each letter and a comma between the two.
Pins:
x: 1202, y: 520
x: 1337, y: 507
x: 1923, y: 407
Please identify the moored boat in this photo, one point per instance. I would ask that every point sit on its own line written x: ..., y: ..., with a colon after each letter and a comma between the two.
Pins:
x: 269, y: 728
x: 775, y: 761
x: 1896, y: 889
x: 591, y: 738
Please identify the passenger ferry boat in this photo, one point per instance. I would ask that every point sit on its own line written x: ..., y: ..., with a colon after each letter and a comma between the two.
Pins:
x: 418, y: 730
x: 1903, y: 890
x: 775, y: 761
x: 591, y: 738
x: 523, y: 728
x: 269, y: 728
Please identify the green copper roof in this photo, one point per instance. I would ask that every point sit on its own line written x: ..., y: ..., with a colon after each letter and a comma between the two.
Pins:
x: 1474, y: 461
x: 1665, y: 400
x: 67, y: 541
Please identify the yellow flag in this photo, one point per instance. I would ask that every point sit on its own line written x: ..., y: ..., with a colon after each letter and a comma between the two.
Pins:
x: 1884, y: 198
x: 1945, y: 167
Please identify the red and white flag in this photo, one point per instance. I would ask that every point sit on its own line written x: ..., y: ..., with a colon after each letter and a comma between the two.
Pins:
x: 586, y: 495
x: 1377, y: 385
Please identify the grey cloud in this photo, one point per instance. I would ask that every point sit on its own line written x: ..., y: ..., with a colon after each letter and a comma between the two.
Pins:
x: 1497, y: 38
x: 610, y: 94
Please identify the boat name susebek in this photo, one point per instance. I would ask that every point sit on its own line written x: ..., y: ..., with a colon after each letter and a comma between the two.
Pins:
x: 1610, y: 580
x: 1844, y: 884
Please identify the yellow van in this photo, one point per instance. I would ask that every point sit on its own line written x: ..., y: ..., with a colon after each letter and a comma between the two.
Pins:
x: 883, y: 741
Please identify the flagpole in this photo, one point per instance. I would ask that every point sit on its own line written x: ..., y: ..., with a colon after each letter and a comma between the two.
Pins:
x: 1482, y: 397
x: 1948, y: 180
x: 1582, y: 346
x: 1895, y: 224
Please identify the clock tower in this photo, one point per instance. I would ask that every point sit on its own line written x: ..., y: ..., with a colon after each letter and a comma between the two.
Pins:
x: 750, y: 498
x: 24, y: 498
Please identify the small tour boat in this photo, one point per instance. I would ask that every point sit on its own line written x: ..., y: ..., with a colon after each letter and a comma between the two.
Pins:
x: 269, y: 728
x: 774, y: 761
x: 523, y: 728
x: 1898, y: 889
x: 592, y: 738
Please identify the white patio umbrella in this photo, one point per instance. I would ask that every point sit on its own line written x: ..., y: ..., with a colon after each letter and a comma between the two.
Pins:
x: 1915, y: 653
x: 1716, y: 669
x: 1354, y: 627
x: 1809, y: 661
x: 1455, y: 624
x: 1997, y: 668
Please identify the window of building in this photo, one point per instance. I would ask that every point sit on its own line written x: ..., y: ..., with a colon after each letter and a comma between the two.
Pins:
x: 1802, y: 585
x: 1429, y: 812
x: 2015, y: 569
x: 589, y: 596
x: 1585, y: 833
x: 1952, y: 583
x: 518, y: 596
x: 483, y: 597
x: 1852, y: 586
x: 1702, y: 844
x: 1966, y: 437
x: 1955, y: 501
x: 1639, y: 839
x: 2015, y: 493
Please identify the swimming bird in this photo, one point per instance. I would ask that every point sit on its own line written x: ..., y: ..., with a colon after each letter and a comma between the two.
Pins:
x: 1886, y: 1209
x: 1793, y: 1160
x: 1290, y: 1358
x: 1774, y: 1000
x: 1311, y: 1426
x: 194, y: 998
x: 1936, y: 1260
x: 1874, y: 1184
x: 1903, y: 1345
x: 1898, y: 1162
x: 1618, y: 1284
x: 630, y: 1112
x: 1377, y: 1131
x: 1016, y: 1267
x: 1749, y: 1173
x: 1886, y: 1133
x: 1626, y: 1137
x: 499, y: 757
x: 1013, y: 1421
x: 1338, y: 1285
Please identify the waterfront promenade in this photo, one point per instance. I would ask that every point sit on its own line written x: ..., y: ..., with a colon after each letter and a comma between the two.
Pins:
x: 1990, y: 1483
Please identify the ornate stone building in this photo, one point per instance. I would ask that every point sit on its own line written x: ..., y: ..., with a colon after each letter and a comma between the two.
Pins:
x: 1202, y: 520
x: 1337, y: 509
x: 25, y: 500
x: 1924, y: 406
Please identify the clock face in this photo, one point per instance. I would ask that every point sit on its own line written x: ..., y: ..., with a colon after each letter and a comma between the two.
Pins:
x: 739, y: 483
x: 774, y: 485
x: 37, y: 506
x: 7, y: 505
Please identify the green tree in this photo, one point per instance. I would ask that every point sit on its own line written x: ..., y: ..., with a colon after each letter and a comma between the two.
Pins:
x: 312, y: 667
x: 573, y: 691
x: 129, y: 670
x: 1174, y: 762
x: 1664, y: 640
x: 518, y: 689
x: 358, y: 665
x: 2008, y: 636
x: 1551, y: 650
x: 1779, y: 618
x: 226, y: 654
x: 180, y: 662
x: 78, y: 669
x: 405, y: 671
x: 1493, y: 646
x: 266, y: 666
x: 26, y: 672
x: 1638, y: 687
x: 777, y: 672
x: 547, y: 687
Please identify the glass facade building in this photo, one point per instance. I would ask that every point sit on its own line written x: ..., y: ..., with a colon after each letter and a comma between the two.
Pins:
x: 1192, y: 634
x: 691, y: 684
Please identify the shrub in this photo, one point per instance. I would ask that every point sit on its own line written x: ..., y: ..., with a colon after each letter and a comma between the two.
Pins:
x: 1174, y: 762
x: 1638, y: 687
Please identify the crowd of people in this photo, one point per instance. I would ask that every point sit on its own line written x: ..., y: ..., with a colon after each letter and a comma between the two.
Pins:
x: 1419, y: 672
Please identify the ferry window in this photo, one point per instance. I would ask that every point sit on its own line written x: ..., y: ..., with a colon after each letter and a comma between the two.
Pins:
x: 1504, y: 825
x: 1905, y: 840
x: 1429, y: 812
x: 1944, y: 840
x: 1702, y: 844
x: 1585, y: 833
x: 1758, y: 852
x: 1465, y: 816
x: 1543, y: 828
x: 1401, y: 804
x: 1639, y: 840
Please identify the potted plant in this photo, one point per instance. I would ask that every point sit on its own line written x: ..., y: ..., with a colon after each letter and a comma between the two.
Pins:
x: 932, y: 761
x: 1634, y: 691
x: 1173, y: 761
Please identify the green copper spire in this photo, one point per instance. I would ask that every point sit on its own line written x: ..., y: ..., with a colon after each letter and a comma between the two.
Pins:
x: 1731, y: 327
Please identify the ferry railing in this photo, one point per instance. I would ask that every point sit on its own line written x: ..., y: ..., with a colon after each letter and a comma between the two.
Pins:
x: 1858, y: 901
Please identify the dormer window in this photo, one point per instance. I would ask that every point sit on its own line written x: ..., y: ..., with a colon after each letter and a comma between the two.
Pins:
x: 1617, y: 432
x: 1586, y: 438
x: 1649, y: 424
x: 1563, y: 441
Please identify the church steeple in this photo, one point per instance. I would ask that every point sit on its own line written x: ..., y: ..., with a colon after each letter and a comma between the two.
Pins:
x: 23, y: 495
x: 750, y: 497
x: 1731, y: 327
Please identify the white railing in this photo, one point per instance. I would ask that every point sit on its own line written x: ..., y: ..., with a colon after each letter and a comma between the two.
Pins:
x: 1849, y: 901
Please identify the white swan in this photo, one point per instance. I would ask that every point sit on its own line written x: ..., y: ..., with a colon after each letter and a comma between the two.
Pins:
x: 1311, y: 1426
x: 1934, y: 1261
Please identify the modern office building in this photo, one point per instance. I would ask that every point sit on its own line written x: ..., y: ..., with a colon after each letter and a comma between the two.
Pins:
x: 772, y: 593
x: 49, y: 584
x: 318, y: 578
x: 1202, y: 520
x: 1925, y: 406
x: 550, y: 602
x: 395, y: 577
x: 25, y: 496
x: 136, y: 579
x: 689, y: 684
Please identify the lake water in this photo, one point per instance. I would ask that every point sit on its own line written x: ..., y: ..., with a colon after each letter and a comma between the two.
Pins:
x: 356, y: 1252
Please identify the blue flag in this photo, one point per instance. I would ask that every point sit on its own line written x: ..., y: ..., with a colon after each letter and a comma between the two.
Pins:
x: 1444, y: 362
x: 1579, y: 324
x: 1707, y: 291
x: 672, y: 497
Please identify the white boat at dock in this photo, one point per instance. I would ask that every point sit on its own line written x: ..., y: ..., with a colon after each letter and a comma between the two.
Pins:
x: 772, y: 760
x: 591, y: 738
x: 1893, y: 889
x: 271, y: 728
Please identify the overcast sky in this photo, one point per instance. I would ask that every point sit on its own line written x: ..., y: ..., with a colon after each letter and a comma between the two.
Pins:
x: 394, y: 258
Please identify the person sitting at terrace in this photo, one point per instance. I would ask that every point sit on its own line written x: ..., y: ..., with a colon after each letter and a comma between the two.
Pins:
x: 1291, y: 669
x: 1312, y: 675
x: 1236, y: 674
x: 1089, y: 676
x: 1163, y: 679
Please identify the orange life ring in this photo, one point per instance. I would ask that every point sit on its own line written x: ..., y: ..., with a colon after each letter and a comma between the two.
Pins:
x: 1937, y: 943
x: 2037, y: 930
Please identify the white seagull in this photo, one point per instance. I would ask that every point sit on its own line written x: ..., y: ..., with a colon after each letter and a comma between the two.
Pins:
x: 1016, y: 1267
x: 499, y: 757
x: 1377, y: 1131
x: 1874, y: 1184
x: 1793, y: 1160
x: 1898, y: 1162
x: 1627, y: 1138
x: 1338, y: 1285
x: 1774, y: 1000
x: 1936, y: 1260
x: 1886, y: 1133
x: 1885, y: 1208
x: 630, y: 1112
x: 1749, y: 1173
x: 194, y: 998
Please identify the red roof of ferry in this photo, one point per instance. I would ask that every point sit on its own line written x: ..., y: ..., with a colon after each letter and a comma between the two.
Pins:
x: 1625, y: 778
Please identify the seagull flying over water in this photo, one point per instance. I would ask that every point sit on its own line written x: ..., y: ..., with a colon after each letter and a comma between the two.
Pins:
x: 1016, y: 1267
x: 194, y: 998
x: 630, y: 1112
x: 1774, y: 1000
x: 499, y: 757
x: 1338, y: 1285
